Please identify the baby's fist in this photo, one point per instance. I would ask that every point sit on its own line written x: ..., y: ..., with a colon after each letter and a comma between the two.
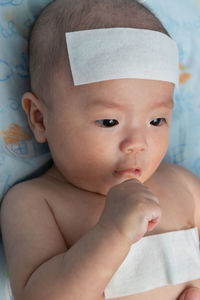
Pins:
x: 132, y: 209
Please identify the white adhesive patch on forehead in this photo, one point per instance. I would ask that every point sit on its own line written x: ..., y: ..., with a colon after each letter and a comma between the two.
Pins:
x: 115, y: 53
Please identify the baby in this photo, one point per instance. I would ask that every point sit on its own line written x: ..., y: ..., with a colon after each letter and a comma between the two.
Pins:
x: 102, y: 76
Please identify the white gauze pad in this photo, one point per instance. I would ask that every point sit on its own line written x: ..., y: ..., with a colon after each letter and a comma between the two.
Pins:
x: 115, y: 53
x: 156, y: 261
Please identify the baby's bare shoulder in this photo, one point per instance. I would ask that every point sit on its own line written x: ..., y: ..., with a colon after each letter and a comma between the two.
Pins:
x: 24, y: 203
x: 29, y: 188
x: 177, y: 181
x: 38, y: 189
x: 184, y: 185
x: 178, y: 175
x: 21, y: 194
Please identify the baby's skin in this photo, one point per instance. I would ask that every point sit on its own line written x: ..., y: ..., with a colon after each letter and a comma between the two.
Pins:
x: 67, y: 232
x: 69, y: 241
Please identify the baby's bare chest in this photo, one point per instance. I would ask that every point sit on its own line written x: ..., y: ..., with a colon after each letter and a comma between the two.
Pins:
x: 76, y: 215
x: 77, y: 212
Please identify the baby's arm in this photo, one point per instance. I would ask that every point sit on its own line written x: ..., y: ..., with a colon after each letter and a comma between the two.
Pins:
x: 40, y: 265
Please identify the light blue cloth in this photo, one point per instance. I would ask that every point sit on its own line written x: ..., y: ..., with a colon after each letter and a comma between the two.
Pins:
x: 5, y: 290
x: 18, y: 160
x: 182, y: 20
x: 20, y: 155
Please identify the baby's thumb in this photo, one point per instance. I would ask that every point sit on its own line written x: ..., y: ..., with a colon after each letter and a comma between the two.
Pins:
x: 190, y: 293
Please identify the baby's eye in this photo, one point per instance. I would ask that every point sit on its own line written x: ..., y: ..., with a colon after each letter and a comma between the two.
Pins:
x: 107, y: 122
x: 158, y: 122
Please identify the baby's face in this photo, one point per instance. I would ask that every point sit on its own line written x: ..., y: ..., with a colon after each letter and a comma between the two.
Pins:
x: 105, y: 133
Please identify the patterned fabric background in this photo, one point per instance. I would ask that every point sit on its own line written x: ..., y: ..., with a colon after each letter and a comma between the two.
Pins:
x: 182, y: 20
x: 20, y: 155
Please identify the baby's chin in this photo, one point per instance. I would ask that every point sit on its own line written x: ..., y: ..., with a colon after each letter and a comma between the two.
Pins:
x: 105, y: 188
x: 101, y: 185
x: 101, y: 189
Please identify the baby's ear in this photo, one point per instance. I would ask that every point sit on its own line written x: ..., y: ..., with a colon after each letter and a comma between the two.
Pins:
x: 34, y: 111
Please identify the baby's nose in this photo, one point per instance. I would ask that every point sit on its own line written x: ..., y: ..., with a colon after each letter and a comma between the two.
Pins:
x: 134, y: 143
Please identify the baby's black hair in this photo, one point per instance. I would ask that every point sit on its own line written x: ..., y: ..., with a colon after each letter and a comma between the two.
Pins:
x: 48, y: 57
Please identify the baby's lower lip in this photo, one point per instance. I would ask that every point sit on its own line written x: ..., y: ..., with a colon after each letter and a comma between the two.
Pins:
x: 131, y: 173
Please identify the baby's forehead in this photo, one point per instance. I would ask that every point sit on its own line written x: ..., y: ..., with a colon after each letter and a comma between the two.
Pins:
x: 123, y: 93
x: 47, y: 42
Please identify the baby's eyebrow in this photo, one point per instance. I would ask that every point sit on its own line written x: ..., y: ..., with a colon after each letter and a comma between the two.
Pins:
x: 169, y: 103
x: 104, y: 104
x: 110, y: 104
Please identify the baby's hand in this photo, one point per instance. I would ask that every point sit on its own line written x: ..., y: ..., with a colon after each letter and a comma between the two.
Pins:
x: 190, y: 293
x: 132, y: 209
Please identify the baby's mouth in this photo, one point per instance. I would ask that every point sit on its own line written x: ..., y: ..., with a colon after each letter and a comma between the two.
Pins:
x: 129, y: 173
